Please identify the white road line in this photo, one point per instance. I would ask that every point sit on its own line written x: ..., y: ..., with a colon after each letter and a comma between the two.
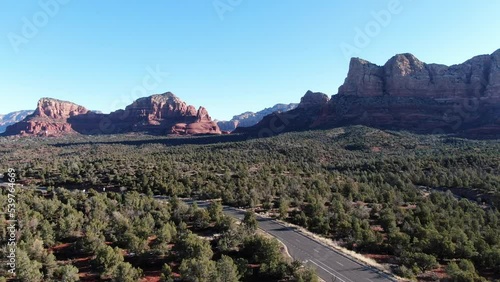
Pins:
x: 335, y: 271
x: 326, y: 268
x: 326, y: 271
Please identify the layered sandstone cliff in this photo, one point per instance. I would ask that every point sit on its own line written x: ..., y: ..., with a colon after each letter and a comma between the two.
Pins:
x: 407, y: 94
x: 156, y: 114
x: 49, y: 119
x: 405, y: 76
x: 202, y: 125
x: 57, y: 109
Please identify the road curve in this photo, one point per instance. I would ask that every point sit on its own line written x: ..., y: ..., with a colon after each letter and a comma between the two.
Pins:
x: 330, y: 264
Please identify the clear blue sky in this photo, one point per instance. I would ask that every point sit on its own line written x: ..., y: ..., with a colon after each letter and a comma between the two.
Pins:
x: 257, y: 54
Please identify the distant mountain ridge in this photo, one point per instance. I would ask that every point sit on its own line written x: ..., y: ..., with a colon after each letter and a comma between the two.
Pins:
x: 13, y: 117
x: 403, y: 94
x: 250, y: 118
x: 157, y: 114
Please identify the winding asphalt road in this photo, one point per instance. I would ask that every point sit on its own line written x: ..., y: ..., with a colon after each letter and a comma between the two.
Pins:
x: 330, y: 265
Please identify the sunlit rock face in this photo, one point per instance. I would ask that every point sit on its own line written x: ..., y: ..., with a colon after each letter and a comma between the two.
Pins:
x: 156, y: 114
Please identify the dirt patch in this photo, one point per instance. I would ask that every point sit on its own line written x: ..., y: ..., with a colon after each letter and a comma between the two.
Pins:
x: 151, y: 276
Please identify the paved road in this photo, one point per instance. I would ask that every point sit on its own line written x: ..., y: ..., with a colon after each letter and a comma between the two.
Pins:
x: 329, y: 264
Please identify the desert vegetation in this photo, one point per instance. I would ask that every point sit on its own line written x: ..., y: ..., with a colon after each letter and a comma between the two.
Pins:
x: 427, y: 205
x: 74, y: 236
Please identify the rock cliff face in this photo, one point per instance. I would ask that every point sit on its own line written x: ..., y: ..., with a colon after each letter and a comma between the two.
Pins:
x: 49, y: 119
x: 202, y: 125
x: 11, y: 118
x: 312, y: 100
x: 156, y: 108
x: 405, y: 76
x: 250, y: 118
x: 156, y: 114
x: 57, y: 109
x: 407, y: 94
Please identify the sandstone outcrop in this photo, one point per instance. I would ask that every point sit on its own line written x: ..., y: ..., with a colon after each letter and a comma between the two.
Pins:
x: 313, y: 99
x: 202, y: 125
x: 406, y: 76
x: 57, y: 109
x: 156, y: 114
x: 49, y: 119
x: 407, y: 94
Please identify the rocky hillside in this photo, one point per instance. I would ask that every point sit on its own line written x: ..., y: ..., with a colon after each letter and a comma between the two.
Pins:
x: 11, y: 118
x: 250, y: 118
x: 302, y: 117
x: 50, y: 118
x: 156, y: 114
x: 406, y: 94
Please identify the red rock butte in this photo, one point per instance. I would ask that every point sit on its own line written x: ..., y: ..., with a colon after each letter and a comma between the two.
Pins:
x: 403, y: 94
x: 156, y: 114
